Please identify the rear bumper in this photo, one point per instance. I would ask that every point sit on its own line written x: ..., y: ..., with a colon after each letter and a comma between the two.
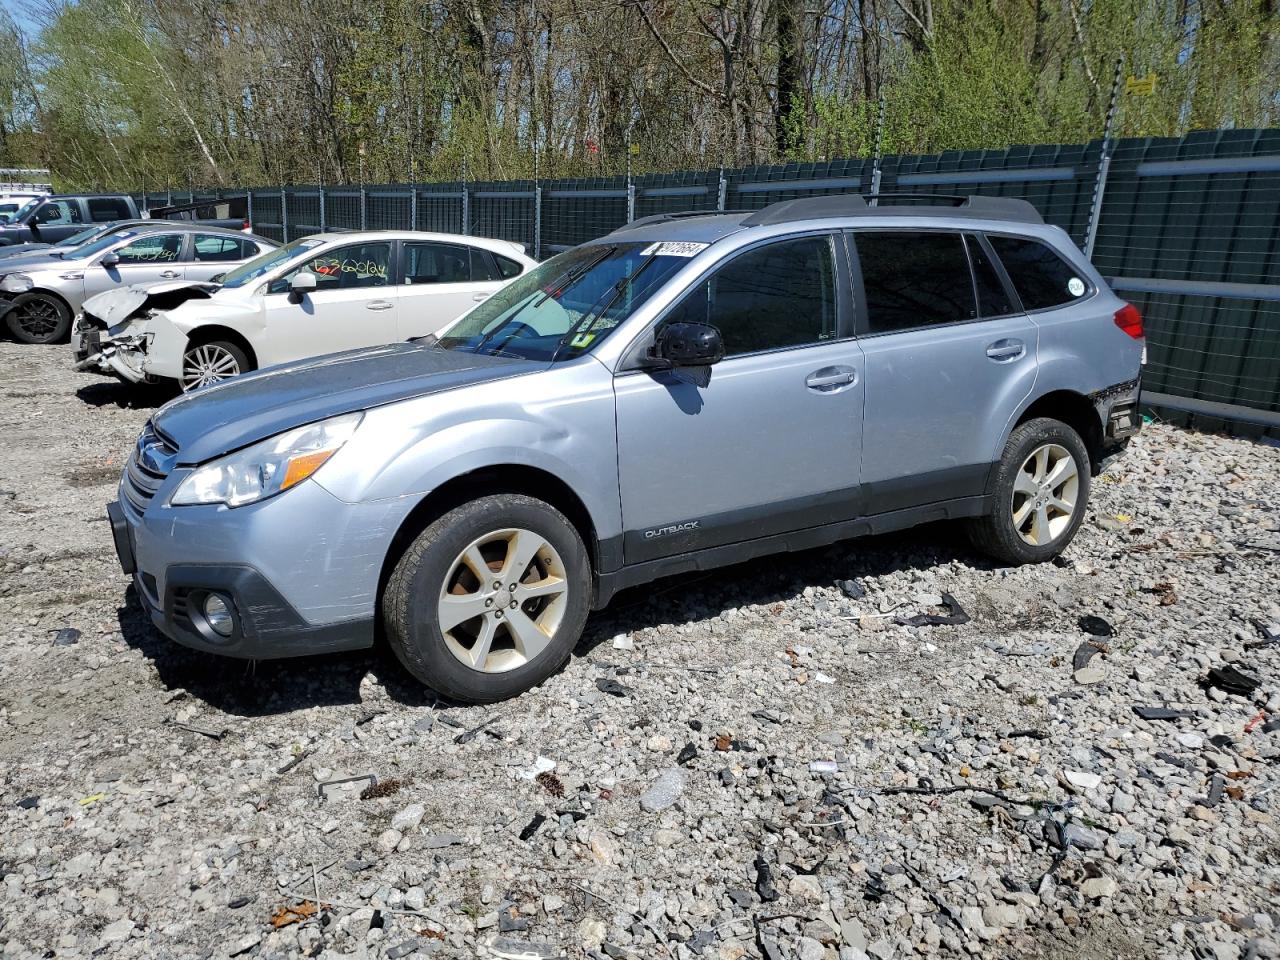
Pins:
x: 1118, y: 411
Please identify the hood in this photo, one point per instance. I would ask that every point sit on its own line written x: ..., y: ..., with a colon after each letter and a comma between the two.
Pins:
x: 22, y: 250
x: 36, y: 260
x: 116, y: 306
x: 216, y: 420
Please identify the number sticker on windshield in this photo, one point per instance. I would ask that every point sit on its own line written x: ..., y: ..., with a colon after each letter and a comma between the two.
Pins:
x: 673, y: 248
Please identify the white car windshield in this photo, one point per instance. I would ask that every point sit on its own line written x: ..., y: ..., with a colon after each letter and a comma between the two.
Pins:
x: 267, y: 262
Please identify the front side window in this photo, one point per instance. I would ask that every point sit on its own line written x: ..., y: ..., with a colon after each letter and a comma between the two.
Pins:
x: 570, y: 304
x: 344, y: 268
x: 779, y: 295
x: 437, y: 263
x: 106, y: 209
x: 1041, y: 277
x: 914, y: 279
x: 56, y: 212
x: 151, y: 248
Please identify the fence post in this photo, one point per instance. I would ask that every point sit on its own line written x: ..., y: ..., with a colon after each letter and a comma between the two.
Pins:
x: 466, y: 208
x: 323, y: 226
x: 537, y: 223
x: 284, y: 216
x: 875, y: 166
x: 362, y: 207
x: 168, y: 197
x: 413, y: 208
x: 248, y: 200
x: 1104, y: 164
x: 631, y: 202
x: 722, y: 193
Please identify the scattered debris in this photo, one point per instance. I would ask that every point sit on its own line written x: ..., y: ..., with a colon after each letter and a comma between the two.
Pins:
x: 1082, y: 779
x: 1230, y: 680
x: 765, y: 888
x: 612, y: 687
x: 540, y: 765
x: 294, y: 762
x: 468, y: 735
x: 687, y: 753
x: 549, y: 782
x: 532, y: 827
x: 1096, y: 626
x: 852, y: 589
x: 1086, y: 652
x: 66, y: 636
x: 334, y: 788
x: 954, y: 617
x: 1162, y: 713
x: 824, y: 766
x: 664, y: 791
x: 287, y: 916
x: 1163, y: 592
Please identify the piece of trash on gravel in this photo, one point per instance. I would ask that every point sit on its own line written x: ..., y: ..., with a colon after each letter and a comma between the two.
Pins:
x: 438, y: 841
x: 1086, y: 652
x: 1096, y: 626
x: 327, y: 789
x: 664, y: 791
x: 28, y: 803
x: 1082, y: 779
x: 1162, y: 713
x: 765, y: 888
x: 1230, y: 680
x: 92, y: 799
x: 766, y: 716
x: 954, y: 617
x: 623, y: 641
x: 549, y: 782
x: 66, y: 636
x: 852, y: 589
x: 823, y: 678
x: 468, y: 735
x: 540, y: 765
x: 824, y: 766
x: 532, y: 827
x: 612, y: 687
x: 687, y: 753
x: 509, y: 949
x: 287, y: 916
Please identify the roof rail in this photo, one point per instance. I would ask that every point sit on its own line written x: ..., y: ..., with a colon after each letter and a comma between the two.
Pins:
x: 856, y: 205
x: 664, y: 217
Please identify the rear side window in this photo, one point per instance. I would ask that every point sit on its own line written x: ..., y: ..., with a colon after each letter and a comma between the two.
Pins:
x: 780, y: 295
x: 914, y: 279
x: 106, y: 209
x: 507, y: 267
x: 1041, y: 277
x: 214, y: 247
x: 426, y: 263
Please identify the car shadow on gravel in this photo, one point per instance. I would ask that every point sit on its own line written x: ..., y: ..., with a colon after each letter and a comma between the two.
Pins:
x: 248, y: 688
x: 127, y: 396
x: 269, y: 687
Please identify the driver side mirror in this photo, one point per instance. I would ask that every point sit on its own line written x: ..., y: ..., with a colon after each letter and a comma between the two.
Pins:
x: 681, y: 344
x: 303, y: 282
x: 111, y: 259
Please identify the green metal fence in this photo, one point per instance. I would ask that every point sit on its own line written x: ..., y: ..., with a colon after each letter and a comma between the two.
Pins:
x: 1186, y: 228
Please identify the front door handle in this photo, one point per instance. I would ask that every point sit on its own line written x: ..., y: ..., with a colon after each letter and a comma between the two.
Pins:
x: 827, y: 379
x: 1002, y: 351
x: 169, y: 274
x: 378, y: 305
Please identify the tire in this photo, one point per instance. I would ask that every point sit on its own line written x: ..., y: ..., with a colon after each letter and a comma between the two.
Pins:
x: 433, y: 574
x: 38, y: 318
x: 207, y: 362
x: 1028, y: 523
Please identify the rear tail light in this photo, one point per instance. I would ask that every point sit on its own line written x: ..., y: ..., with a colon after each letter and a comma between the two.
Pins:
x: 1129, y: 320
x: 248, y: 227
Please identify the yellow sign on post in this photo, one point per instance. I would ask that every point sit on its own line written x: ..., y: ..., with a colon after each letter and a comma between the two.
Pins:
x: 1140, y: 86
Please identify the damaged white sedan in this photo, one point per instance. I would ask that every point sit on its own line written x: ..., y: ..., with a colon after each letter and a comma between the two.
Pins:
x: 316, y: 295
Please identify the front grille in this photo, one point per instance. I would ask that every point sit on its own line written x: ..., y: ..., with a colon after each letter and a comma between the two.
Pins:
x: 149, y: 463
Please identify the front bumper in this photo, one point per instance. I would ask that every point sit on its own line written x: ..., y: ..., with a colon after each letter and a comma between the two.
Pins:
x: 299, y: 572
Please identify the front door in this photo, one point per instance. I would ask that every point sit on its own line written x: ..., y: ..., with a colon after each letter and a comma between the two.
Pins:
x: 148, y: 258
x: 438, y: 283
x: 353, y: 305
x: 949, y: 358
x: 766, y: 441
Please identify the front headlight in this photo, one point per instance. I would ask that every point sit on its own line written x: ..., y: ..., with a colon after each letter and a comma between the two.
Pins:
x: 16, y: 283
x: 268, y: 467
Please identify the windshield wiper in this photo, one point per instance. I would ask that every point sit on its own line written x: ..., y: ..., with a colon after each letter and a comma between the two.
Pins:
x: 592, y: 314
x: 571, y: 275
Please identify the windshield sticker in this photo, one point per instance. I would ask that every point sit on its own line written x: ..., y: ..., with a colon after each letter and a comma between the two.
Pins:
x: 582, y: 341
x: 673, y: 248
x: 308, y: 244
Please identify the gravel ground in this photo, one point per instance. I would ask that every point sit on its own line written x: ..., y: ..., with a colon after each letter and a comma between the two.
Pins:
x: 747, y: 763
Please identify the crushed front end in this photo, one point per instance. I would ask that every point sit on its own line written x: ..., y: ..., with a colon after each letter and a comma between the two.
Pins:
x: 126, y: 334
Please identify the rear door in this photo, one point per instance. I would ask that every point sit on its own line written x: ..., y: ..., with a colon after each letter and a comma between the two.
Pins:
x: 949, y: 357
x: 767, y: 440
x: 439, y: 282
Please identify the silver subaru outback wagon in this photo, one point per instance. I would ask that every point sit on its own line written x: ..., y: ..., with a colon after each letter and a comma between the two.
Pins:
x: 684, y: 393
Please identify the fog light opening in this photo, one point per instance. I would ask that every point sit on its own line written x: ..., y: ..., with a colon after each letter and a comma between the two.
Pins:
x: 217, y: 613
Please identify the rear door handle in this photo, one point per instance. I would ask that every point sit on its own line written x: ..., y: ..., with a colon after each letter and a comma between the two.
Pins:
x: 1002, y: 351
x: 168, y: 274
x: 378, y: 305
x: 826, y: 379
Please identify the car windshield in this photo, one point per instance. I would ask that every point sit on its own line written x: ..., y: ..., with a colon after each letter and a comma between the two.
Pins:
x: 266, y: 262
x: 570, y: 303
x: 25, y: 209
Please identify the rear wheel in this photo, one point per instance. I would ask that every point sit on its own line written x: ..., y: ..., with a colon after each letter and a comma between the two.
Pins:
x: 1041, y: 493
x: 38, y: 318
x: 490, y: 599
x: 204, y: 364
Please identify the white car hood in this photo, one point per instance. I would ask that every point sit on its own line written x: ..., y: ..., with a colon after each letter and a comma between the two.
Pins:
x: 116, y: 306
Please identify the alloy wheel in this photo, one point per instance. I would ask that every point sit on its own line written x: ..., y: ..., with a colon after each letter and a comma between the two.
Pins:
x: 503, y: 600
x: 207, y: 364
x: 39, y: 318
x: 1046, y: 494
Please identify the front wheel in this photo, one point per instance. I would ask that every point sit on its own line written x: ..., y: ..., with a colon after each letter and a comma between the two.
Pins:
x: 38, y: 318
x: 1041, y: 492
x: 204, y: 364
x: 490, y: 599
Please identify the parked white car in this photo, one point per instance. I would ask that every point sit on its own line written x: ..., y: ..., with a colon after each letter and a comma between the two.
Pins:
x: 316, y: 295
